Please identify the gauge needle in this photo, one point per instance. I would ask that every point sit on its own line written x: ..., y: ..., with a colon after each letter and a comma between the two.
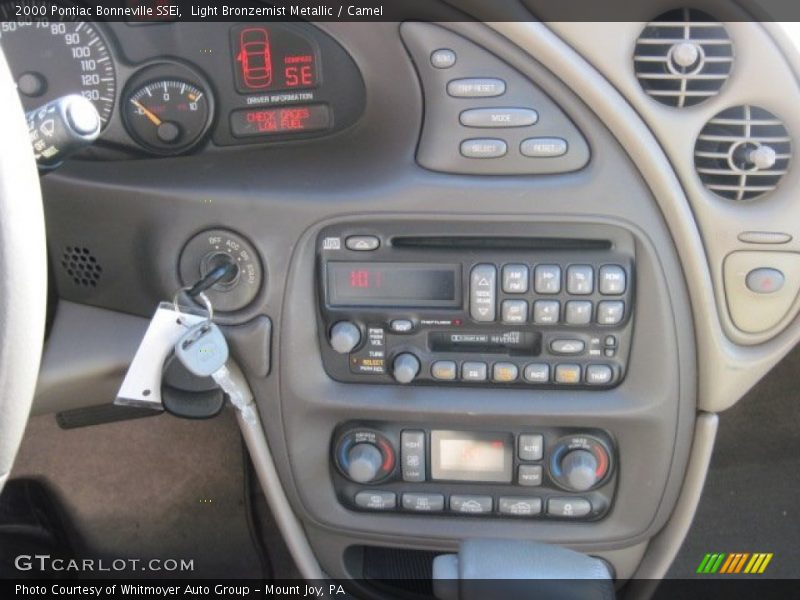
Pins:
x: 147, y: 112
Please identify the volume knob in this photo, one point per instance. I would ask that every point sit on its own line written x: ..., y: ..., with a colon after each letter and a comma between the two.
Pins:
x: 364, y: 463
x: 345, y: 336
x: 405, y: 367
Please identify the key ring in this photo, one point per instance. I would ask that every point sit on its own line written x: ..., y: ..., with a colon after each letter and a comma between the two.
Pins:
x: 202, y: 296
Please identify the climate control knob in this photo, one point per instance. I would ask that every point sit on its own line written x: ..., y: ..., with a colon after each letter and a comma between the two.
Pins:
x: 364, y: 463
x: 579, y: 468
x: 345, y: 336
x: 405, y: 367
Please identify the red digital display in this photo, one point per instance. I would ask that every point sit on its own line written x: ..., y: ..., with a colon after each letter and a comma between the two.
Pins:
x: 271, y: 121
x: 363, y: 278
x: 270, y: 58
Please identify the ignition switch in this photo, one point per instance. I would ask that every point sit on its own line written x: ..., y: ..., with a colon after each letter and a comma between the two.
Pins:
x: 213, y: 248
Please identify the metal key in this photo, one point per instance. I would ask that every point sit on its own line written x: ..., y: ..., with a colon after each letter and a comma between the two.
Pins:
x: 204, y: 352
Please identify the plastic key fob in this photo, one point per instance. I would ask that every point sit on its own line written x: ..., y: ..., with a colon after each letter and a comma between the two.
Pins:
x: 203, y: 349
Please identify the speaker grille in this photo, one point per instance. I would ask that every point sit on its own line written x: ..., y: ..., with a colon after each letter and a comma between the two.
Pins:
x: 79, y: 263
x: 683, y: 57
x: 742, y: 153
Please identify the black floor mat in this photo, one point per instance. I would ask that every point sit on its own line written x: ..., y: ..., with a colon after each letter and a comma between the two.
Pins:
x: 751, y: 502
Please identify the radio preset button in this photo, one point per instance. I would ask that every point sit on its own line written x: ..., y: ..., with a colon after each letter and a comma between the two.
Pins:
x: 483, y: 293
x: 546, y: 312
x: 578, y: 312
x: 580, y: 280
x: 514, y: 311
x: 547, y: 279
x: 376, y: 500
x: 474, y: 371
x: 599, y: 374
x: 568, y: 373
x: 568, y: 507
x: 567, y: 347
x: 471, y: 505
x: 401, y: 325
x: 613, y: 280
x: 362, y: 243
x: 537, y: 373
x: 505, y: 372
x: 530, y: 446
x: 412, y: 455
x: 515, y: 279
x: 423, y: 502
x: 610, y: 312
x: 530, y: 475
x: 519, y: 507
x: 445, y: 370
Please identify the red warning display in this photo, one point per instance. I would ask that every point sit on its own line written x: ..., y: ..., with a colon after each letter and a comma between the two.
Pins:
x: 272, y: 121
x: 270, y: 58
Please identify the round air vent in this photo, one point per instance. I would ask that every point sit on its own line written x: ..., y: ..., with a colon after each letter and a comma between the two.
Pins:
x: 81, y: 265
x: 683, y: 57
x: 742, y: 153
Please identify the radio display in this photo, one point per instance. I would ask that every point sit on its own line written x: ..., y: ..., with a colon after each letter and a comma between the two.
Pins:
x: 471, y: 456
x: 394, y: 284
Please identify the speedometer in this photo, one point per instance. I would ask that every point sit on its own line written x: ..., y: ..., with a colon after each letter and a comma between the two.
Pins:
x: 50, y: 59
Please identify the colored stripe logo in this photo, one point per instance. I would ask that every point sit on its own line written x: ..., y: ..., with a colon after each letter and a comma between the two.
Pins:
x: 733, y: 563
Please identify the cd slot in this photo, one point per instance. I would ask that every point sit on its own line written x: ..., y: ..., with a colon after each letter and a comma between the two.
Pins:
x: 512, y: 343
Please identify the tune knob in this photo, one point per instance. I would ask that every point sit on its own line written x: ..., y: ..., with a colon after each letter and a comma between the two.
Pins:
x: 405, y: 367
x: 345, y: 336
x: 579, y: 468
x: 364, y: 463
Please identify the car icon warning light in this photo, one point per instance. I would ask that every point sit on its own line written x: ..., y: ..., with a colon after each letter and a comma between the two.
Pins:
x: 254, y: 57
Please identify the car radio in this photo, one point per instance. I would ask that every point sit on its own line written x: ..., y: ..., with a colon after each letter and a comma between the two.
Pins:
x: 510, y: 310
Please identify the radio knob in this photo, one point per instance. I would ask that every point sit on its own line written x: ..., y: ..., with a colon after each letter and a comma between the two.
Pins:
x: 364, y: 462
x: 345, y: 336
x: 405, y: 367
x: 580, y: 470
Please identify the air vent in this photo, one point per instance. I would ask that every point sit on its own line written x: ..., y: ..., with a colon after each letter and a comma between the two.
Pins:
x: 683, y: 57
x: 81, y: 266
x: 742, y: 153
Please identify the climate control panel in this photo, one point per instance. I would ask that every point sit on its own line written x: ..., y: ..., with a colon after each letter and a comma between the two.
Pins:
x: 534, y: 472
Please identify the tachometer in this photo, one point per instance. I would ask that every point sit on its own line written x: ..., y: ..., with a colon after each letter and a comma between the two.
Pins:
x: 49, y: 59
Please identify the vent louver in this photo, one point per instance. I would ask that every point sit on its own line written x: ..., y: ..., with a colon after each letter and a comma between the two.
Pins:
x: 742, y: 153
x: 683, y: 57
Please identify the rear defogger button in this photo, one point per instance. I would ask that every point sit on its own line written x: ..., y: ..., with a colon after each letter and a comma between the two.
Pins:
x: 483, y: 293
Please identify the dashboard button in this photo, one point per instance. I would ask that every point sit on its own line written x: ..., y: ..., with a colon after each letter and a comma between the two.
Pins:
x: 401, y: 325
x: 423, y: 502
x: 568, y: 507
x: 613, y: 280
x: 505, y: 372
x: 362, y: 243
x: 472, y: 505
x: 568, y: 373
x: 599, y: 374
x: 483, y: 293
x: 483, y: 148
x: 412, y: 455
x: 546, y: 312
x: 537, y: 373
x: 476, y: 87
x: 530, y: 446
x: 376, y: 500
x: 765, y: 280
x: 578, y: 312
x: 498, y: 117
x: 445, y: 370
x: 543, y: 147
x: 610, y: 312
x: 519, y: 507
x: 443, y: 58
x: 547, y: 279
x: 580, y: 280
x: 515, y: 279
x: 514, y: 311
x: 567, y: 347
x: 474, y: 371
x: 530, y: 475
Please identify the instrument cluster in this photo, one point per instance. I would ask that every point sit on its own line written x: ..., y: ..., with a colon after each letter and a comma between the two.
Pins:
x: 201, y: 86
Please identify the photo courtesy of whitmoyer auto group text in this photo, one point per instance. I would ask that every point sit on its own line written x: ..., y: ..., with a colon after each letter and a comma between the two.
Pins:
x: 400, y: 299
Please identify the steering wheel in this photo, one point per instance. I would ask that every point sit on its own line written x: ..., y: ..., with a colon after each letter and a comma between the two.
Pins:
x: 23, y: 272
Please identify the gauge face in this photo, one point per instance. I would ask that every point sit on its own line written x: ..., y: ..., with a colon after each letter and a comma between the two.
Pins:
x: 50, y: 59
x: 168, y: 115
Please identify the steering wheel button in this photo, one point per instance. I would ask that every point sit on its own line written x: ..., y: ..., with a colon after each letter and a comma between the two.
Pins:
x: 765, y: 280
